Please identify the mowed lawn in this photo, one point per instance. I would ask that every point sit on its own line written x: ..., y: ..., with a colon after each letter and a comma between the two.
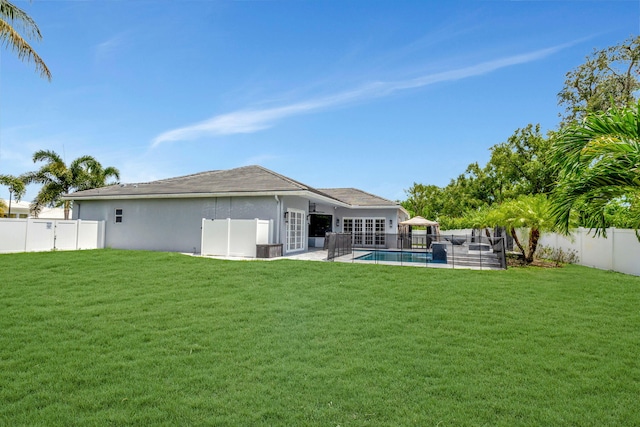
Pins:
x: 119, y: 338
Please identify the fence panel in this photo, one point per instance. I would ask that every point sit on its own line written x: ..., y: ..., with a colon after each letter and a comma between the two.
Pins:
x: 435, y: 250
x: 234, y: 237
x: 626, y: 252
x: 215, y: 237
x: 13, y: 234
x: 33, y: 235
x: 66, y: 235
x: 596, y: 251
x: 90, y: 234
x: 40, y: 235
x: 619, y: 251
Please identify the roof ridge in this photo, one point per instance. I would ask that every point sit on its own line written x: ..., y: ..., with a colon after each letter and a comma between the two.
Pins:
x: 285, y: 178
x: 170, y: 179
x: 173, y: 178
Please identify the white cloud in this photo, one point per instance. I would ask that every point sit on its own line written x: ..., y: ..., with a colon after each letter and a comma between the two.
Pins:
x: 253, y: 120
x: 107, y: 49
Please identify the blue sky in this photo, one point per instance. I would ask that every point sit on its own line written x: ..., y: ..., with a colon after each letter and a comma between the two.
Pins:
x: 369, y: 94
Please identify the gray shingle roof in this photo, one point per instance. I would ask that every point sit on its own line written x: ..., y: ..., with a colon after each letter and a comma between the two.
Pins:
x: 355, y: 197
x: 247, y: 179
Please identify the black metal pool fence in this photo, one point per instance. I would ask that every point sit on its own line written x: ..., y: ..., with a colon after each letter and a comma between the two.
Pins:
x: 446, y: 250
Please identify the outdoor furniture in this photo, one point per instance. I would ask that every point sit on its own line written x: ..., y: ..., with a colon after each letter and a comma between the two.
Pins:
x: 269, y: 251
x: 456, y: 240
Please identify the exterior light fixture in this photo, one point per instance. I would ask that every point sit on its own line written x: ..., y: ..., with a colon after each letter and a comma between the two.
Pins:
x: 337, y: 222
x: 286, y: 216
x: 390, y: 223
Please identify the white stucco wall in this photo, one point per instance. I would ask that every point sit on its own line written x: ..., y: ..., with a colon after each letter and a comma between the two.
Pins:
x: 168, y: 224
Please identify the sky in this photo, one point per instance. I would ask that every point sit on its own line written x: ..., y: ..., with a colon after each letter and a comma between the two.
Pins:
x: 372, y: 94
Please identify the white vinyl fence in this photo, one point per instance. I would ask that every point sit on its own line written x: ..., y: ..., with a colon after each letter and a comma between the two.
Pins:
x: 36, y: 235
x: 234, y: 237
x: 619, y: 251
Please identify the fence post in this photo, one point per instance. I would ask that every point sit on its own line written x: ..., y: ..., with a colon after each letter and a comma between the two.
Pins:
x: 26, y: 234
x: 611, y: 233
x: 77, y: 233
x: 453, y: 251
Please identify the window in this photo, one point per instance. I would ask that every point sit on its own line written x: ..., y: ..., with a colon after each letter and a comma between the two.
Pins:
x: 118, y: 215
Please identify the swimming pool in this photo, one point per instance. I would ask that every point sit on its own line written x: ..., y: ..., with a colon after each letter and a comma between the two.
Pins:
x: 397, y: 256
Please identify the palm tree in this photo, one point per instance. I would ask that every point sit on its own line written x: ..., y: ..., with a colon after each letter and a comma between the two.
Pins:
x: 599, y: 163
x: 529, y: 211
x: 12, y: 19
x: 98, y: 175
x: 59, y: 179
x: 16, y: 186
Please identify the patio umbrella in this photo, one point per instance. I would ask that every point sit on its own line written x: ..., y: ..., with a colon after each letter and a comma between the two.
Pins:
x: 418, y: 220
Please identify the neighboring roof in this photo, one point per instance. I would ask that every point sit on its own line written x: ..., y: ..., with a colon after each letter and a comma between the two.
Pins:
x: 247, y: 180
x: 355, y: 197
x: 23, y: 207
x: 418, y: 220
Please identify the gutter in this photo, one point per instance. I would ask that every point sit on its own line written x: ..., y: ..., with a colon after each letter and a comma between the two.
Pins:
x: 302, y: 193
x: 278, y: 216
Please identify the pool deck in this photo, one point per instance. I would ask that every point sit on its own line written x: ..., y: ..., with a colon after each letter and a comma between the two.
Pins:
x: 317, y: 254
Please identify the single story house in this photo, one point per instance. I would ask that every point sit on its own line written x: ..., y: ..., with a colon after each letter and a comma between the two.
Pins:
x: 166, y: 215
x: 22, y: 209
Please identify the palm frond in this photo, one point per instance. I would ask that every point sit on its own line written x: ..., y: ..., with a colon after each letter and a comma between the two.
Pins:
x: 12, y: 17
x: 599, y: 161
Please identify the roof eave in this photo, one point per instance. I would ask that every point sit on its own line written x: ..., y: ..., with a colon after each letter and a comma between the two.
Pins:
x: 302, y: 193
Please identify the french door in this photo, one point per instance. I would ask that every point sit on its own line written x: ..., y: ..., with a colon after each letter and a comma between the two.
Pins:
x: 295, y: 230
x: 365, y: 231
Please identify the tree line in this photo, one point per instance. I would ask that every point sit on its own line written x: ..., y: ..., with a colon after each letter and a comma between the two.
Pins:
x: 584, y: 173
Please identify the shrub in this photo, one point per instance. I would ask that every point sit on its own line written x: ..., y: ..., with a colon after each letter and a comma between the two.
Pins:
x: 559, y: 256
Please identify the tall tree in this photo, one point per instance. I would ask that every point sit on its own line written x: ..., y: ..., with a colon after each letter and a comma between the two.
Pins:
x: 58, y: 179
x: 607, y: 78
x: 13, y: 22
x: 16, y: 187
x: 424, y: 200
x: 599, y: 162
x: 519, y: 166
x: 523, y: 163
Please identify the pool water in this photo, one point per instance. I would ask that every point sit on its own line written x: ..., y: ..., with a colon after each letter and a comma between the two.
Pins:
x: 396, y: 256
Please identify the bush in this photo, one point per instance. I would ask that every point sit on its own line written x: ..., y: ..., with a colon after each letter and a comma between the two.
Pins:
x: 558, y: 256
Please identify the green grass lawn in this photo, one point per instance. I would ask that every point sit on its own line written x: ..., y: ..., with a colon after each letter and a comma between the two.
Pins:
x: 116, y: 338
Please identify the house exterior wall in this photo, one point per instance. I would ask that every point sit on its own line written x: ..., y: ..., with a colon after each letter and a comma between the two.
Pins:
x: 175, y: 224
x: 168, y: 224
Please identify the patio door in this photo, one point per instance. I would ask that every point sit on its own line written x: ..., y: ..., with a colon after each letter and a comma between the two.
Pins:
x: 295, y: 230
x: 365, y: 231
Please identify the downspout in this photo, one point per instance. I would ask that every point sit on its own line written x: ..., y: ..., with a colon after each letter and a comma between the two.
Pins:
x: 278, y: 216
